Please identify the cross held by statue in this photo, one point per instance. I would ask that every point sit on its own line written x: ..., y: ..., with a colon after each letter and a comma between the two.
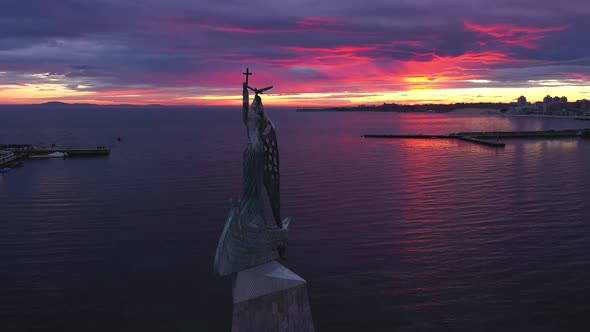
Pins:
x: 247, y: 74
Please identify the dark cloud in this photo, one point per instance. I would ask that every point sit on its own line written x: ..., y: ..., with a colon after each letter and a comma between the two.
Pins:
x: 112, y: 44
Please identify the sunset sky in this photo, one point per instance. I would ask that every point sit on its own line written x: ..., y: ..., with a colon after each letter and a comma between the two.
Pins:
x: 314, y: 52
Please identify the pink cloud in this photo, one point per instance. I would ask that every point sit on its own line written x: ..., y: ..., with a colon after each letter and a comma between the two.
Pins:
x: 513, y: 34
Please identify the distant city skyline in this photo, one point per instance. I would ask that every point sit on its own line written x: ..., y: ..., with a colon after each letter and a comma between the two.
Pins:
x: 336, y: 53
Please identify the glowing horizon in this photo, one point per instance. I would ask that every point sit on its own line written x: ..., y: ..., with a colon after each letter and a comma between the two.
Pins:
x: 327, y: 99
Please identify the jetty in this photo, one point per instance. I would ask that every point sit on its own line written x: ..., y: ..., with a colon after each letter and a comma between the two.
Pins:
x: 72, y: 152
x: 450, y: 136
x: 525, y: 134
x: 409, y: 136
x: 485, y: 138
x: 8, y: 157
x: 12, y: 154
x: 482, y: 142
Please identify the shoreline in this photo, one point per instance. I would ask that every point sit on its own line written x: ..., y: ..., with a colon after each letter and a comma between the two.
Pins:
x: 459, y: 111
x: 575, y: 117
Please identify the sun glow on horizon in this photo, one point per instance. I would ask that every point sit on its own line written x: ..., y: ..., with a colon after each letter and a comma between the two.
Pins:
x: 20, y: 94
x: 400, y: 52
x: 425, y: 96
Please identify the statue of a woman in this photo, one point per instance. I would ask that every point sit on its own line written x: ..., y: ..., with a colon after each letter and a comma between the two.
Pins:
x: 248, y: 238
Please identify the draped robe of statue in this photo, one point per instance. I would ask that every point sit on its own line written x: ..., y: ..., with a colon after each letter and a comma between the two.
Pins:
x: 249, y: 238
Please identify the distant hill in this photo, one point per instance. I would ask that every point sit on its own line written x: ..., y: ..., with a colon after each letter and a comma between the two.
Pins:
x: 429, y: 108
x: 62, y: 104
x: 54, y: 103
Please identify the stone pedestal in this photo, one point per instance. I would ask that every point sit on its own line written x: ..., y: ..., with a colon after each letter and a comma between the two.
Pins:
x: 270, y: 297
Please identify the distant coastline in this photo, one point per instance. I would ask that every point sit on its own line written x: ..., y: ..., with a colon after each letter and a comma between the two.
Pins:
x: 557, y: 107
x: 59, y: 104
x: 424, y: 108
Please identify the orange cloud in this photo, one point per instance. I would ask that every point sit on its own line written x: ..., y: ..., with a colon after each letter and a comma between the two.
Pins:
x: 441, y: 71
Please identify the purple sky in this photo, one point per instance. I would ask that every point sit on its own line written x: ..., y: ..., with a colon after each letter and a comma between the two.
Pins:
x: 314, y: 52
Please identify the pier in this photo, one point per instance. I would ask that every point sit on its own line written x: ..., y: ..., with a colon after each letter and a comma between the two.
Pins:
x: 8, y: 158
x: 482, y: 142
x: 485, y: 138
x: 450, y: 136
x: 12, y: 154
x: 419, y: 136
x: 72, y: 152
x: 524, y: 134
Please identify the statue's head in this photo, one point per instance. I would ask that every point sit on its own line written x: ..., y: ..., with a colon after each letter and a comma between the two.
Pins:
x: 258, y: 107
x: 259, y: 113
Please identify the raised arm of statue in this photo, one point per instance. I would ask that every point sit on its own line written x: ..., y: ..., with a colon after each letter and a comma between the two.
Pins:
x: 245, y: 103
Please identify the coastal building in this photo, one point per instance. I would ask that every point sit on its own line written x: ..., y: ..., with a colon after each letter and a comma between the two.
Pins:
x: 548, y: 100
x: 583, y: 104
x: 522, y: 107
x: 559, y: 100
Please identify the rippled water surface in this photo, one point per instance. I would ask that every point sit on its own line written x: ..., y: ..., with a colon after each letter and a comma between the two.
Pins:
x: 392, y: 235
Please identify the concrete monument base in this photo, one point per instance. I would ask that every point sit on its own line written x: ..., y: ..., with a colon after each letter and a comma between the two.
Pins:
x: 270, y: 297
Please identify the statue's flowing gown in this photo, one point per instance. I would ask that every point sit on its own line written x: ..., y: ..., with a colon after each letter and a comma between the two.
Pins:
x: 252, y: 202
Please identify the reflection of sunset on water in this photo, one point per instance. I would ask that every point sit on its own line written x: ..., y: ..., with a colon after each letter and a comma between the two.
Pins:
x: 426, y: 228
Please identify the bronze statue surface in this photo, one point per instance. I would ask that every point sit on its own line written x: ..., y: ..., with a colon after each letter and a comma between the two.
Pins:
x: 248, y: 238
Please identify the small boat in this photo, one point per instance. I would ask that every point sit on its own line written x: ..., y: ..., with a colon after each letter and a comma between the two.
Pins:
x: 57, y: 154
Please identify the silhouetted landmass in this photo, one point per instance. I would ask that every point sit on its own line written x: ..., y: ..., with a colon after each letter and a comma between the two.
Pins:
x: 54, y: 103
x: 58, y: 105
x: 433, y: 108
